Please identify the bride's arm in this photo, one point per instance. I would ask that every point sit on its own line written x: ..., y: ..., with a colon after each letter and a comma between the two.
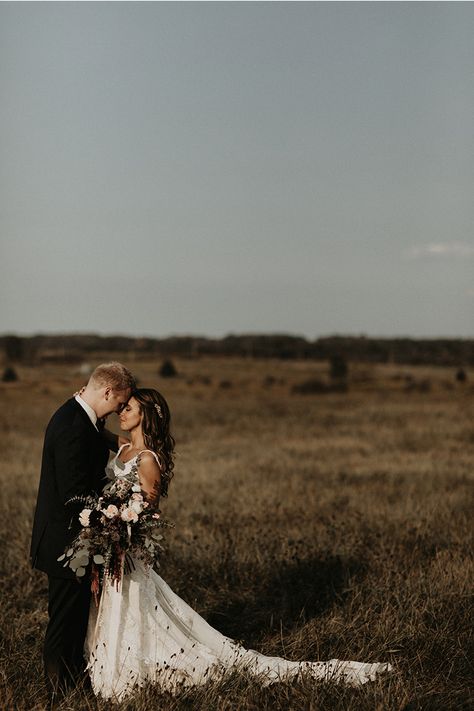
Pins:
x: 149, y: 474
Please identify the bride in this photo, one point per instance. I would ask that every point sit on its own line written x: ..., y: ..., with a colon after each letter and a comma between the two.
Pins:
x: 142, y: 631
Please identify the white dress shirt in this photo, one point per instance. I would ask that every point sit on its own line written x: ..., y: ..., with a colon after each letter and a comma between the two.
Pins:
x: 89, y: 410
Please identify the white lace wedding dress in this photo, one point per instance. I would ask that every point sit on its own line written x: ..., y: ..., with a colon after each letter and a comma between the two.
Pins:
x: 143, y: 632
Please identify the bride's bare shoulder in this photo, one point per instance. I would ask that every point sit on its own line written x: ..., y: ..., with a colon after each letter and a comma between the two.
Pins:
x: 149, y: 460
x: 149, y: 474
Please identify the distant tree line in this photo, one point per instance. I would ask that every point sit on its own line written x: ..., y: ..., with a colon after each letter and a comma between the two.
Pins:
x: 404, y: 351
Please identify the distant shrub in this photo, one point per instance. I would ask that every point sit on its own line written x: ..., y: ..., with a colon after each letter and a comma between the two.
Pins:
x: 313, y: 386
x: 461, y: 375
x: 309, y: 387
x: 268, y: 381
x: 9, y: 375
x: 338, y: 368
x: 168, y: 370
x: 225, y: 384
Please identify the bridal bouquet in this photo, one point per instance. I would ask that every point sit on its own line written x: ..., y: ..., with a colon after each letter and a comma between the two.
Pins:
x: 116, y: 525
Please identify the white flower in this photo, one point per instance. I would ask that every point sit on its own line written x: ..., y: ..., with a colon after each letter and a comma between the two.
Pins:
x: 137, y: 506
x: 84, y: 516
x: 136, y: 487
x: 111, y: 511
x: 129, y: 514
x: 136, y: 497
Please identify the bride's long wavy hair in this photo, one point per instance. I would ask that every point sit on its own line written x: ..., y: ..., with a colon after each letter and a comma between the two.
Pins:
x: 156, y: 431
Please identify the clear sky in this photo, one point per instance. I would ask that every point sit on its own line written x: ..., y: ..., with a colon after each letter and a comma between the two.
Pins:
x: 208, y: 168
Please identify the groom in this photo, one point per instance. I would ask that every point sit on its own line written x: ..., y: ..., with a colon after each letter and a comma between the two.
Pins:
x: 74, y: 460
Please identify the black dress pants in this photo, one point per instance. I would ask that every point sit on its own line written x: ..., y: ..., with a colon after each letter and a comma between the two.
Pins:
x: 63, y: 651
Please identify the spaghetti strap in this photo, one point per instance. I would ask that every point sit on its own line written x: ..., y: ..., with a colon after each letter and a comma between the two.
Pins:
x: 154, y: 454
x: 127, y: 444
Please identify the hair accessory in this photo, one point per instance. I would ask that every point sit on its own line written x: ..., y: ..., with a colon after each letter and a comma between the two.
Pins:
x: 158, y: 409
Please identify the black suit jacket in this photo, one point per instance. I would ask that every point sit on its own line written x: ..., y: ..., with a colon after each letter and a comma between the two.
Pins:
x: 74, y: 460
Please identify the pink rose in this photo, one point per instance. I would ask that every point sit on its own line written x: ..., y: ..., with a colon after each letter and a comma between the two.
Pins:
x: 111, y: 511
x: 129, y: 515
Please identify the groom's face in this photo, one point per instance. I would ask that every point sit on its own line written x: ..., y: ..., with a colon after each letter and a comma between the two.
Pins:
x: 114, y: 401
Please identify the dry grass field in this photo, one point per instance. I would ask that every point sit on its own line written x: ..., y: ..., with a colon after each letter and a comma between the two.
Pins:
x: 307, y: 526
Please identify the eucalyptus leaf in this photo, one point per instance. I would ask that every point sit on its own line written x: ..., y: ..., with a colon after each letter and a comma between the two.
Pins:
x: 80, y: 572
x: 79, y: 561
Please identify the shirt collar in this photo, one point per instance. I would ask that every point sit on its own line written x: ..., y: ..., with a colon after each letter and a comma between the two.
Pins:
x: 89, y: 410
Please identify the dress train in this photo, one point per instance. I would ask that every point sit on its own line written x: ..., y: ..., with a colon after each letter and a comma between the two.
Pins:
x: 143, y: 632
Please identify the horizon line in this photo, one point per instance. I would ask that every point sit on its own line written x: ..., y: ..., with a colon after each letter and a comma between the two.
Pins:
x: 243, y: 334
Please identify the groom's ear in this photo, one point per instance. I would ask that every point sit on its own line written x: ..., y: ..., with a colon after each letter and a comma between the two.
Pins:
x: 107, y: 392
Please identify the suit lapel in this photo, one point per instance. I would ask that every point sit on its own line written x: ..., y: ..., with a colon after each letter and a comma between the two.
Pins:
x: 83, y: 414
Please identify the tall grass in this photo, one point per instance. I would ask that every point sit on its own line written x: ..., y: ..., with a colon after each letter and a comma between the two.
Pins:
x: 310, y: 527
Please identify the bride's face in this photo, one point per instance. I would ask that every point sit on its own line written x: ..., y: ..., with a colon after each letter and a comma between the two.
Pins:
x: 130, y: 417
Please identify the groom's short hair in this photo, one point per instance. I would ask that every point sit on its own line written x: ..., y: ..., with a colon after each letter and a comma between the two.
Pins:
x: 113, y: 374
